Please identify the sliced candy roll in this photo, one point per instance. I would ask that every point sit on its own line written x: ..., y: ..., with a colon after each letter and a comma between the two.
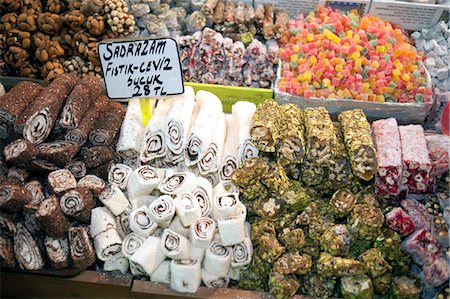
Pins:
x: 93, y: 183
x: 114, y: 199
x: 131, y: 132
x: 77, y: 168
x: 214, y: 281
x: 13, y: 197
x: 61, y: 180
x: 118, y: 175
x: 58, y: 252
x: 162, y: 211
x: 174, y: 245
x: 107, y: 126
x: 178, y: 227
x: 197, y: 253
x: 264, y: 129
x: 141, y: 201
x: 133, y: 162
x: 78, y: 203
x: 217, y: 259
x: 51, y: 218
x: 117, y: 263
x: 162, y: 273
x: 187, y: 208
x: 204, y: 194
x: 292, y: 140
x: 225, y: 187
x: 20, y: 152
x: 123, y: 223
x: 242, y: 119
x: 210, y: 162
x: 81, y: 250
x: 178, y: 183
x: 149, y: 256
x: 229, y: 158
x: 143, y: 181
x: 108, y: 244
x: 27, y: 252
x: 141, y: 223
x: 242, y: 253
x: 97, y: 156
x: 131, y: 244
x: 232, y: 229
x: 101, y: 220
x: 37, y: 193
x: 225, y: 205
x: 202, y: 232
x: 185, y: 275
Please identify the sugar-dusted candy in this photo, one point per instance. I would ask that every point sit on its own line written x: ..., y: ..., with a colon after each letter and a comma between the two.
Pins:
x: 398, y: 220
x: 423, y: 247
x: 418, y: 213
x: 437, y: 273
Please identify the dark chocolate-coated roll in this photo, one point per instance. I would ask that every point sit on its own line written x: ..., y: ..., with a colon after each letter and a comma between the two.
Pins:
x: 93, y: 183
x: 80, y: 99
x: 51, y: 218
x: 57, y: 252
x: 18, y: 174
x: 101, y: 171
x: 38, y: 119
x: 7, y: 259
x: 81, y: 249
x: 37, y: 193
x: 108, y: 124
x: 77, y: 168
x: 78, y: 204
x: 58, y: 152
x: 61, y: 180
x: 26, y: 250
x: 80, y: 134
x: 43, y: 166
x: 13, y: 197
x: 98, y: 155
x: 29, y: 218
x: 20, y: 152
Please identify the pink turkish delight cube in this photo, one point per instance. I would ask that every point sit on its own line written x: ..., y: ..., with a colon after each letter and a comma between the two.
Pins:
x: 423, y: 247
x: 439, y: 149
x: 398, y: 220
x: 416, y: 159
x: 437, y: 273
x: 418, y: 213
x: 389, y: 155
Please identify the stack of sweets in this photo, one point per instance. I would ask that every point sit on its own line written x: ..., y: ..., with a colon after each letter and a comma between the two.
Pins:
x: 332, y: 54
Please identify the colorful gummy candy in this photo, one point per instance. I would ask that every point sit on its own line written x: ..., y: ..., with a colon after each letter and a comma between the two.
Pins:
x: 329, y: 54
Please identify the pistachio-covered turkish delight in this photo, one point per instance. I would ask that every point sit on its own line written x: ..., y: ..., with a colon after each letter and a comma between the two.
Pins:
x: 359, y: 143
x: 313, y: 174
x: 339, y: 170
x: 366, y: 221
x: 336, y: 240
x: 291, y: 148
x: 262, y: 228
x: 389, y: 244
x: 375, y: 262
x: 251, y: 279
x: 269, y: 249
x: 382, y: 284
x: 269, y: 208
x: 342, y: 202
x: 292, y: 239
x: 333, y: 266
x: 293, y: 263
x: 317, y: 286
x: 282, y: 286
x: 356, y: 287
x: 265, y: 126
x: 276, y: 179
x: 406, y: 288
x: 320, y: 136
x: 248, y: 178
x: 296, y: 197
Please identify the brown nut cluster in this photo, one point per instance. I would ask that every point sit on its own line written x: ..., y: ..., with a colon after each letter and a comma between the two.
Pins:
x: 27, y: 21
x: 17, y: 38
x: 55, y: 6
x: 47, y: 49
x: 96, y: 25
x: 51, y: 69
x: 50, y: 23
x: 118, y: 18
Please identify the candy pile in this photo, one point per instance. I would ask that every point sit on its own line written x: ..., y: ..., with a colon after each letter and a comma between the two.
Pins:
x: 329, y: 54
x: 48, y: 183
x: 208, y: 57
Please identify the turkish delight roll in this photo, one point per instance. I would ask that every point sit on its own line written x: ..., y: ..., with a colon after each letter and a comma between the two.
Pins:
x: 58, y: 152
x: 439, y: 149
x: 292, y: 141
x: 107, y: 126
x: 416, y: 159
x: 149, y: 256
x: 174, y: 245
x: 78, y: 204
x: 217, y: 259
x: 264, y: 130
x: 58, y: 252
x: 185, y: 275
x: 242, y: 253
x: 268, y: 24
x: 231, y: 230
x: 81, y: 250
x: 77, y: 168
x: 229, y: 160
x: 389, y: 155
x: 162, y: 210
x: 38, y: 119
x: 359, y: 143
x: 108, y: 244
x: 13, y: 197
x: 339, y: 170
x: 131, y: 244
x: 7, y: 259
x: 51, y: 218
x: 101, y: 221
x: 27, y: 251
x: 214, y: 281
x: 98, y: 155
x: 118, y: 175
x: 204, y: 192
x: 36, y: 191
x: 131, y: 132
x: 202, y: 232
x: 93, y: 183
x: 80, y: 134
x: 162, y: 273
x: 178, y: 183
x: 177, y: 226
x: 20, y: 152
x: 78, y: 102
x: 187, y: 208
x: 320, y: 136
x: 242, y: 119
x: 114, y: 199
x: 141, y: 223
x: 117, y: 263
x: 61, y: 180
x: 143, y: 181
x: 211, y: 160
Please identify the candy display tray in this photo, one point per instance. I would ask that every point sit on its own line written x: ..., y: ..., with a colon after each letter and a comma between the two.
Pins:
x: 405, y: 113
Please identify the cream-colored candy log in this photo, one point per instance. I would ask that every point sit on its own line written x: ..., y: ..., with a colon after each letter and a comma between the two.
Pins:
x: 162, y: 210
x: 114, y: 199
x: 185, y: 275
x: 174, y: 245
x: 149, y: 256
x: 108, y: 244
x: 217, y: 259
x: 141, y: 223
x: 101, y: 220
x: 162, y: 273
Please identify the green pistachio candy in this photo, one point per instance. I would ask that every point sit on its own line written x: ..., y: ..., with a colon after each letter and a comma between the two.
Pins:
x: 343, y: 201
x: 271, y: 208
x: 406, y: 288
x: 293, y: 263
x: 356, y: 287
x: 282, y: 286
x: 331, y: 266
x: 262, y: 228
x: 336, y: 240
x: 292, y: 239
x: 296, y: 197
x: 248, y: 178
x: 317, y: 286
x: 313, y: 174
x: 269, y: 249
x: 285, y: 221
x: 382, y: 284
x: 291, y: 148
x: 375, y: 262
x: 366, y: 222
x: 276, y: 179
x: 265, y: 127
x: 252, y: 280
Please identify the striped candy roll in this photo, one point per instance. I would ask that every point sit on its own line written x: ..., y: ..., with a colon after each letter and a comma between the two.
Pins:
x: 57, y: 252
x: 213, y: 178
x: 143, y: 181
x: 98, y: 155
x: 81, y: 250
x: 242, y: 119
x: 162, y: 273
x: 51, y: 218
x: 389, y: 155
x: 118, y: 175
x: 231, y: 229
x: 203, y: 192
x: 162, y: 211
x: 20, y: 152
x: 101, y: 171
x: 61, y: 180
x: 214, y: 281
x: 78, y: 204
x: 416, y: 158
x: 185, y: 275
x: 188, y: 208
x: 38, y: 119
x: 174, y: 245
x: 242, y: 253
x: 40, y: 165
x: 229, y: 161
x: 7, y: 253
x: 114, y: 199
x: 26, y: 250
x: 123, y: 224
x: 141, y: 201
x: 212, y: 157
x: 203, y: 127
x: 197, y: 253
x: 217, y: 259
x: 83, y: 95
x: 57, y: 152
x: 13, y: 197
x: 93, y: 183
x: 80, y: 134
x: 101, y: 221
x: 77, y: 168
x: 131, y: 132
x: 108, y: 244
x: 37, y: 194
x: 178, y: 183
x: 107, y: 126
x: 136, y: 269
x: 158, y: 233
x: 131, y: 244
x: 177, y: 226
x: 117, y: 263
x: 29, y: 218
x: 149, y: 256
x: 264, y: 129
x: 225, y: 205
x: 202, y: 232
x: 141, y: 223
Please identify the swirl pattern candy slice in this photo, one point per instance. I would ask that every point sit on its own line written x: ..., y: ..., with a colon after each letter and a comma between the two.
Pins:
x: 78, y: 204
x: 174, y: 245
x: 81, y: 250
x: 106, y: 127
x: 58, y: 252
x: 131, y: 244
x: 26, y: 250
x: 162, y: 210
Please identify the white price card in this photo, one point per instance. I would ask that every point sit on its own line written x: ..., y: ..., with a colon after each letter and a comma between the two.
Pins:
x: 141, y: 68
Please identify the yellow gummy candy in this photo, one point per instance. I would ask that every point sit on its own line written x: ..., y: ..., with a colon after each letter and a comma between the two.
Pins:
x: 381, y: 49
x: 358, y: 62
x: 313, y: 59
x: 356, y: 55
x: 296, y: 48
x: 366, y: 86
x: 310, y: 37
x: 339, y: 68
x: 308, y: 76
x: 330, y: 35
x: 375, y: 64
x: 349, y: 33
x: 326, y: 82
x: 406, y: 77
x: 294, y: 58
x: 396, y: 72
x: 380, y: 98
